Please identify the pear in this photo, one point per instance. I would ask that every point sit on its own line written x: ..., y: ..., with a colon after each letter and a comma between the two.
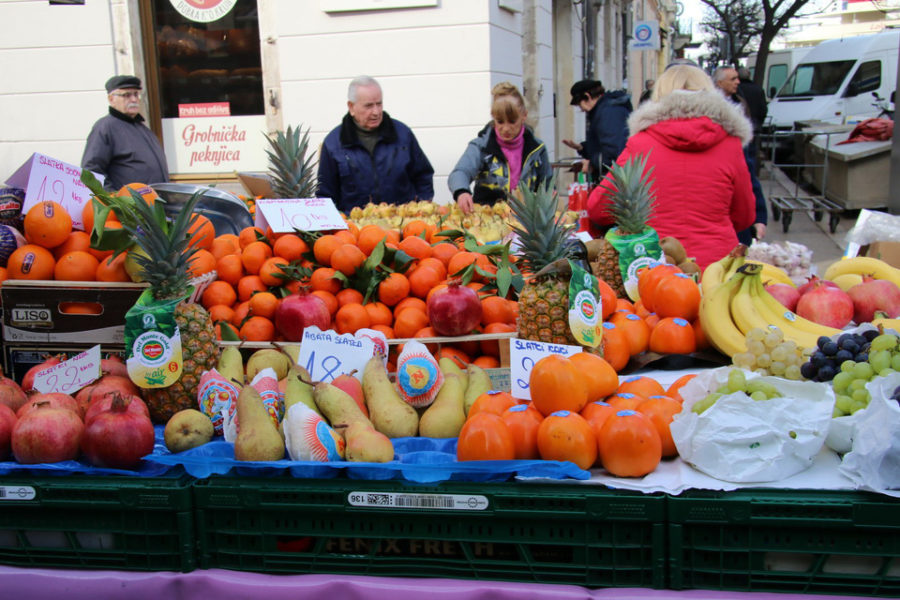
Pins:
x: 297, y: 390
x: 350, y: 384
x: 388, y: 412
x: 268, y: 358
x: 479, y: 383
x: 446, y: 415
x: 337, y: 406
x: 187, y: 429
x: 231, y: 365
x: 292, y: 350
x: 448, y: 365
x: 365, y: 444
x: 258, y: 439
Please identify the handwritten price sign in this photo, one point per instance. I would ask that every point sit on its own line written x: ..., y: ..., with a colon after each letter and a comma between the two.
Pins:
x: 305, y: 214
x: 70, y: 375
x: 325, y: 354
x: 523, y: 354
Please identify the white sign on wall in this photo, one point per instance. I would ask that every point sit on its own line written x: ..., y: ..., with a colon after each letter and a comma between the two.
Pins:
x: 644, y: 36
x: 203, y: 11
x: 215, y: 144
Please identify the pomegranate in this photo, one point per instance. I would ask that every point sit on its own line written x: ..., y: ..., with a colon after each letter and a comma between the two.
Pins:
x: 874, y: 295
x: 7, y: 423
x: 299, y: 311
x: 826, y: 305
x: 28, y: 379
x: 118, y: 438
x: 454, y: 310
x: 104, y: 402
x: 47, y: 435
x: 56, y: 400
x: 108, y: 384
x: 812, y: 281
x: 11, y: 394
x: 113, y: 365
x: 784, y: 293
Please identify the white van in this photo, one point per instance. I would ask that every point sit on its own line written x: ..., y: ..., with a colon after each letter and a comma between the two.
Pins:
x: 835, y: 81
x: 779, y: 65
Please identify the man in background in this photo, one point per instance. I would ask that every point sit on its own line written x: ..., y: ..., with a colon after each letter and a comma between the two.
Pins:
x: 607, y: 125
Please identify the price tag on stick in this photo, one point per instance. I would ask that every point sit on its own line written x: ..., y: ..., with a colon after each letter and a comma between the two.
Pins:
x: 326, y: 355
x: 523, y: 354
x: 70, y: 375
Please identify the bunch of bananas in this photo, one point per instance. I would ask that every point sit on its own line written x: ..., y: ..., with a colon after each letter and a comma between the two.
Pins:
x: 862, y: 265
x: 735, y: 302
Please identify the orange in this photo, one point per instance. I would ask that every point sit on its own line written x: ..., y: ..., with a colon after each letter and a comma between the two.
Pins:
x: 220, y: 312
x: 379, y: 314
x: 642, y: 385
x: 434, y: 290
x: 385, y: 329
x: 241, y: 313
x: 444, y: 252
x: 677, y: 295
x: 616, y: 349
x: 264, y: 304
x: 523, y: 421
x: 201, y: 232
x: 323, y: 279
x: 408, y: 321
x: 290, y: 247
x: 248, y: 235
x: 674, y: 389
x: 271, y: 272
x: 77, y: 240
x: 673, y: 335
x: 422, y: 280
x: 416, y: 247
x: 30, y: 262
x: 485, y: 437
x: 77, y: 265
x: 460, y: 261
x: 428, y: 332
x: 223, y: 246
x: 324, y: 247
x: 329, y: 299
x: 602, y: 380
x: 226, y: 325
x: 368, y: 238
x: 494, y: 401
x: 347, y: 259
x: 495, y: 309
x: 112, y: 269
x: 351, y: 317
x: 661, y: 410
x: 486, y: 362
x: 392, y: 237
x: 455, y: 354
x: 637, y: 332
x: 416, y: 228
x: 218, y: 292
x: 629, y: 444
x: 393, y: 289
x: 410, y: 302
x: 565, y: 435
x: 141, y: 189
x: 492, y: 347
x: 202, y: 262
x: 556, y: 384
x: 254, y: 255
x: 230, y: 268
x: 349, y: 296
x: 257, y: 329
x: 47, y: 224
x: 247, y: 285
x: 596, y: 413
x: 647, y: 280
x: 607, y: 299
x: 434, y: 264
x: 353, y: 228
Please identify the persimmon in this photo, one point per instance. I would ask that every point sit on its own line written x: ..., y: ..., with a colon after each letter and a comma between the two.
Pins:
x: 556, y: 384
x: 677, y: 295
x: 624, y: 304
x: 523, y: 421
x: 647, y: 280
x: 607, y: 299
x: 602, y: 380
x: 652, y: 319
x: 625, y: 400
x: 485, y: 436
x: 629, y: 444
x: 493, y: 401
x: 566, y: 435
x: 661, y: 410
x: 636, y: 330
x: 641, y: 384
x: 673, y: 336
x: 616, y: 349
x: 674, y: 389
x: 596, y: 413
x: 701, y: 342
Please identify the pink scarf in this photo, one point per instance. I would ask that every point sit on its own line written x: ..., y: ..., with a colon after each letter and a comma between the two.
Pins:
x: 513, y: 153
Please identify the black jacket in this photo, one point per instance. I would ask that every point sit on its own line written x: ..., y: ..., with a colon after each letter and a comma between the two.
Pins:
x: 125, y: 151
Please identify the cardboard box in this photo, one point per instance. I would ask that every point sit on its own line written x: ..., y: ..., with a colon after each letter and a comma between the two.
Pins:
x: 36, y: 312
x: 17, y: 359
x: 888, y: 252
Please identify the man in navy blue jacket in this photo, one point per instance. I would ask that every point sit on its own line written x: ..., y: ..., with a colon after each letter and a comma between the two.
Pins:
x: 607, y: 125
x: 371, y: 157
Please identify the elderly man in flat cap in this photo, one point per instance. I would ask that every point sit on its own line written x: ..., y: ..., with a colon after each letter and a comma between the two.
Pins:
x: 120, y: 146
x: 607, y: 124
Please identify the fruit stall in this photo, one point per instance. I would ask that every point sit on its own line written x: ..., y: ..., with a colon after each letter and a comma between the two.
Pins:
x: 411, y: 394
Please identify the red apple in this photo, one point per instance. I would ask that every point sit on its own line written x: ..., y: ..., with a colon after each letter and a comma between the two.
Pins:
x: 353, y: 387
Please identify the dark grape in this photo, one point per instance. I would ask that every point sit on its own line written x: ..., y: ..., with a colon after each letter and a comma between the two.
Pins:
x: 830, y: 349
x: 850, y: 346
x: 844, y: 338
x: 843, y: 355
x: 818, y: 360
x: 870, y: 335
x: 861, y: 357
x: 826, y: 373
x: 823, y: 339
x: 808, y: 370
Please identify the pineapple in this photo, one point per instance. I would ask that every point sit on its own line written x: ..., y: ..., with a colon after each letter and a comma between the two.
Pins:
x: 164, y: 263
x: 631, y: 204
x: 291, y: 171
x: 543, y: 254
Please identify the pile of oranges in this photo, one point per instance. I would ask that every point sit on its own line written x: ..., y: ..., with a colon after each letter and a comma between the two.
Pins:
x: 579, y: 412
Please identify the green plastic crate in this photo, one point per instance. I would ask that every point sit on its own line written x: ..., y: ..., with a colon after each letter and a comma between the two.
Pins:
x: 83, y: 522
x: 796, y: 541
x: 545, y: 533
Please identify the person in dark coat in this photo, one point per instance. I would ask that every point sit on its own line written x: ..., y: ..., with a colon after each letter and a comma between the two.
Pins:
x: 371, y: 157
x: 607, y: 129
x: 120, y: 146
x: 755, y: 97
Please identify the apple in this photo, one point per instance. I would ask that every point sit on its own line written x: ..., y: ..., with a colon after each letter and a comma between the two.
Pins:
x: 350, y: 384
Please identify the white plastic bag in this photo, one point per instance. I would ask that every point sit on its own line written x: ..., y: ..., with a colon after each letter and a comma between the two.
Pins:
x: 874, y: 461
x: 742, y: 440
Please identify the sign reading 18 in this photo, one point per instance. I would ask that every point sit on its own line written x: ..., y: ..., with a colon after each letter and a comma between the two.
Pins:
x: 330, y: 365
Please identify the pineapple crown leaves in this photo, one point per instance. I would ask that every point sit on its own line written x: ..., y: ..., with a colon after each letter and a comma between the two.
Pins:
x: 103, y: 203
x: 292, y: 172
x: 541, y: 231
x: 632, y: 200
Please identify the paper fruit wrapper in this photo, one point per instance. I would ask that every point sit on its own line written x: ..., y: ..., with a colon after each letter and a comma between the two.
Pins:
x: 747, y: 441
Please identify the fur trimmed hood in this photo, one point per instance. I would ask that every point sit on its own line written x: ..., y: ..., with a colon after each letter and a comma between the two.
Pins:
x: 678, y: 116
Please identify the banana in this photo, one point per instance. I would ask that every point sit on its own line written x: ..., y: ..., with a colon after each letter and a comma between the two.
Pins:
x: 715, y: 317
x: 863, y: 265
x: 744, y: 312
x: 714, y: 274
x: 846, y: 281
x: 736, y: 263
x: 772, y: 274
x: 231, y: 365
x: 794, y: 327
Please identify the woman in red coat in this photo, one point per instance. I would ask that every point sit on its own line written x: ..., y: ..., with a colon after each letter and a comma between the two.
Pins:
x: 694, y: 138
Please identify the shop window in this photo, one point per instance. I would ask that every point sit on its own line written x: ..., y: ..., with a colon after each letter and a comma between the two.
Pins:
x: 208, y: 66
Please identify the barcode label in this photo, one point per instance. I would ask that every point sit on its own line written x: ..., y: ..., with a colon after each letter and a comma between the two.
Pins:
x: 17, y: 492
x: 430, y: 501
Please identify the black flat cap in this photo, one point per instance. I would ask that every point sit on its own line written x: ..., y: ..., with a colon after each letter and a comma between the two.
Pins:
x: 122, y: 82
x: 581, y: 88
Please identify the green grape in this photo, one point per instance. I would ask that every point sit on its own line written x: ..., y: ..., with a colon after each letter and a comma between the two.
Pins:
x: 863, y: 370
x: 792, y: 372
x: 837, y: 413
x: 880, y: 359
x: 757, y: 334
x: 790, y: 346
x: 807, y: 352
x: 886, y: 372
x: 764, y: 360
x: 723, y: 389
x: 777, y: 367
x: 761, y: 372
x: 885, y: 341
x: 841, y: 381
x: 844, y: 403
x: 774, y: 337
x: 847, y: 366
x: 758, y: 396
x: 736, y: 381
x: 895, y: 362
x: 768, y: 389
x: 860, y: 396
x: 857, y: 406
x: 756, y: 347
x: 857, y: 384
x: 702, y: 405
x: 779, y: 353
x: 744, y: 360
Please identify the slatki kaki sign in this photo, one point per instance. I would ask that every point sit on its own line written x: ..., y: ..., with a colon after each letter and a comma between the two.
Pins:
x: 203, y: 11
